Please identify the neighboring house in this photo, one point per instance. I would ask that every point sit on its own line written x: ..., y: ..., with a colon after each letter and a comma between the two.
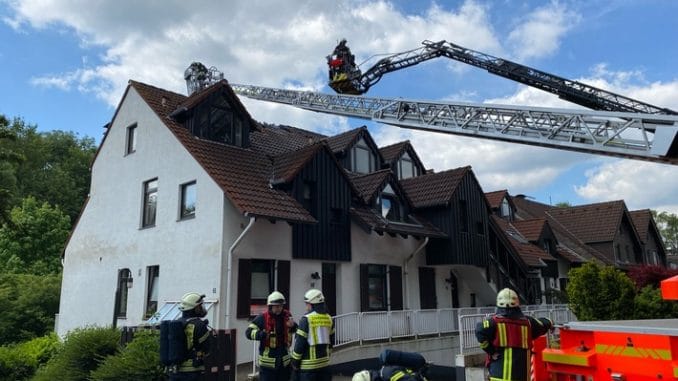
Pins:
x: 654, y: 252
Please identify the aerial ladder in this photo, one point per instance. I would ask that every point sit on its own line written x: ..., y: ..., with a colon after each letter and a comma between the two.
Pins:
x: 619, y: 126
x: 347, y: 78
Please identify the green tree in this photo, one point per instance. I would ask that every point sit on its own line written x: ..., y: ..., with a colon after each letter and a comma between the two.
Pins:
x: 8, y: 160
x: 29, y: 303
x: 34, y: 240
x: 600, y: 293
x: 56, y: 166
x: 668, y: 228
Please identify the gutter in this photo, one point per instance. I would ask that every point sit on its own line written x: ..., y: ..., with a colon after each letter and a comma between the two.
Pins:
x: 229, y: 261
x: 407, y: 260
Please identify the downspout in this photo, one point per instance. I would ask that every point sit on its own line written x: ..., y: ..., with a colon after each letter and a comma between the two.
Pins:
x: 229, y: 260
x: 407, y: 260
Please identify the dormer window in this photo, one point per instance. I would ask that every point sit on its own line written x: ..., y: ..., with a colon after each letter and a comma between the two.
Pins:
x: 505, y: 208
x: 362, y: 158
x: 391, y: 208
x: 216, y: 120
x: 406, y: 167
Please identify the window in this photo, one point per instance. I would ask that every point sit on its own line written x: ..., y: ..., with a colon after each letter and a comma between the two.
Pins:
x: 153, y: 276
x: 150, y: 203
x: 216, y: 120
x: 309, y: 197
x: 376, y: 287
x: 187, y: 207
x: 406, y: 167
x: 617, y: 253
x: 257, y: 278
x: 362, y: 159
x: 390, y: 205
x: 131, y: 140
x: 463, y: 216
x: 124, y: 283
x: 505, y: 208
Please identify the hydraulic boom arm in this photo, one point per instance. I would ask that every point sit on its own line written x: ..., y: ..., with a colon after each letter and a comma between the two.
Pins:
x: 576, y: 92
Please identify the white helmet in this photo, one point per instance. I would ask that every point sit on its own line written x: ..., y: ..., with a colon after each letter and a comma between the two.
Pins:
x: 507, y: 298
x: 363, y: 375
x: 275, y: 299
x: 314, y: 296
x: 190, y: 300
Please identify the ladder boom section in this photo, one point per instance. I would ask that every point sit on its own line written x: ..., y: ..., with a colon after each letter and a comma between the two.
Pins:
x: 572, y: 91
x: 619, y: 134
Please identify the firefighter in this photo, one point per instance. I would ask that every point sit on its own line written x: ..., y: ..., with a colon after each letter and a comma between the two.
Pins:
x: 313, y: 341
x: 507, y: 338
x: 273, y: 329
x: 197, y: 338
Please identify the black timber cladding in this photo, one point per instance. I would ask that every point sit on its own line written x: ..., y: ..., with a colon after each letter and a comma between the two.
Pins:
x: 462, y: 247
x: 329, y: 202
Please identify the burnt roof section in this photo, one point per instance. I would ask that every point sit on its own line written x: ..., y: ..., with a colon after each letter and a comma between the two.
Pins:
x: 433, y: 189
x: 592, y: 222
x: 531, y: 229
x: 243, y: 174
x: 494, y: 198
x: 569, y: 255
x: 532, y: 255
x: 275, y: 140
x: 370, y: 220
x: 528, y: 208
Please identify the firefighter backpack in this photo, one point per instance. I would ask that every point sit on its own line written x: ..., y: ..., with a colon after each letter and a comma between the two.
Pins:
x: 173, y: 348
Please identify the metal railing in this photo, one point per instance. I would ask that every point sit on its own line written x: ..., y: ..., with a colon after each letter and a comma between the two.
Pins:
x: 559, y: 314
x: 360, y: 327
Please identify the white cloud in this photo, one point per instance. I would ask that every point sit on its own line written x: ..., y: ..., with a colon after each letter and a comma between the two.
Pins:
x: 540, y: 32
x: 641, y: 185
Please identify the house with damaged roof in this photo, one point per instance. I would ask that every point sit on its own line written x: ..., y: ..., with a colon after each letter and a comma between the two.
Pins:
x: 189, y: 193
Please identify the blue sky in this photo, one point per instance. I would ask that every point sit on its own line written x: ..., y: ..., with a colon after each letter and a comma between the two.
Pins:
x: 66, y: 65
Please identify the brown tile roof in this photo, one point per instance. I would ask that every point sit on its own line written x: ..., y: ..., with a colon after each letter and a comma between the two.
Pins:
x: 530, y: 229
x: 342, y: 141
x: 370, y: 220
x: 276, y: 140
x: 243, y: 174
x: 393, y: 152
x: 532, y: 255
x: 642, y: 219
x: 592, y: 222
x: 433, y: 189
x: 528, y: 209
x: 368, y: 185
x: 569, y: 255
x: 287, y: 165
x: 494, y: 198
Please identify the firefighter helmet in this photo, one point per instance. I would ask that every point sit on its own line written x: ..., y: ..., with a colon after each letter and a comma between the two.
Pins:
x: 314, y: 296
x: 507, y: 298
x: 363, y: 375
x: 275, y: 299
x: 190, y: 300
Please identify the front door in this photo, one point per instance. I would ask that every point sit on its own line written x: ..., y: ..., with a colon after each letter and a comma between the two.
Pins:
x: 427, y: 288
x: 329, y: 286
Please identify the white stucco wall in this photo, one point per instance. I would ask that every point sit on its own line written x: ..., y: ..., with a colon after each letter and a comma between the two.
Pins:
x: 108, y: 236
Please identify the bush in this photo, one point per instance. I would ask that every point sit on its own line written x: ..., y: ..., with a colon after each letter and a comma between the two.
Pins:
x: 139, y: 360
x: 81, y: 353
x: 600, y: 293
x: 650, y: 305
x: 19, y: 362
